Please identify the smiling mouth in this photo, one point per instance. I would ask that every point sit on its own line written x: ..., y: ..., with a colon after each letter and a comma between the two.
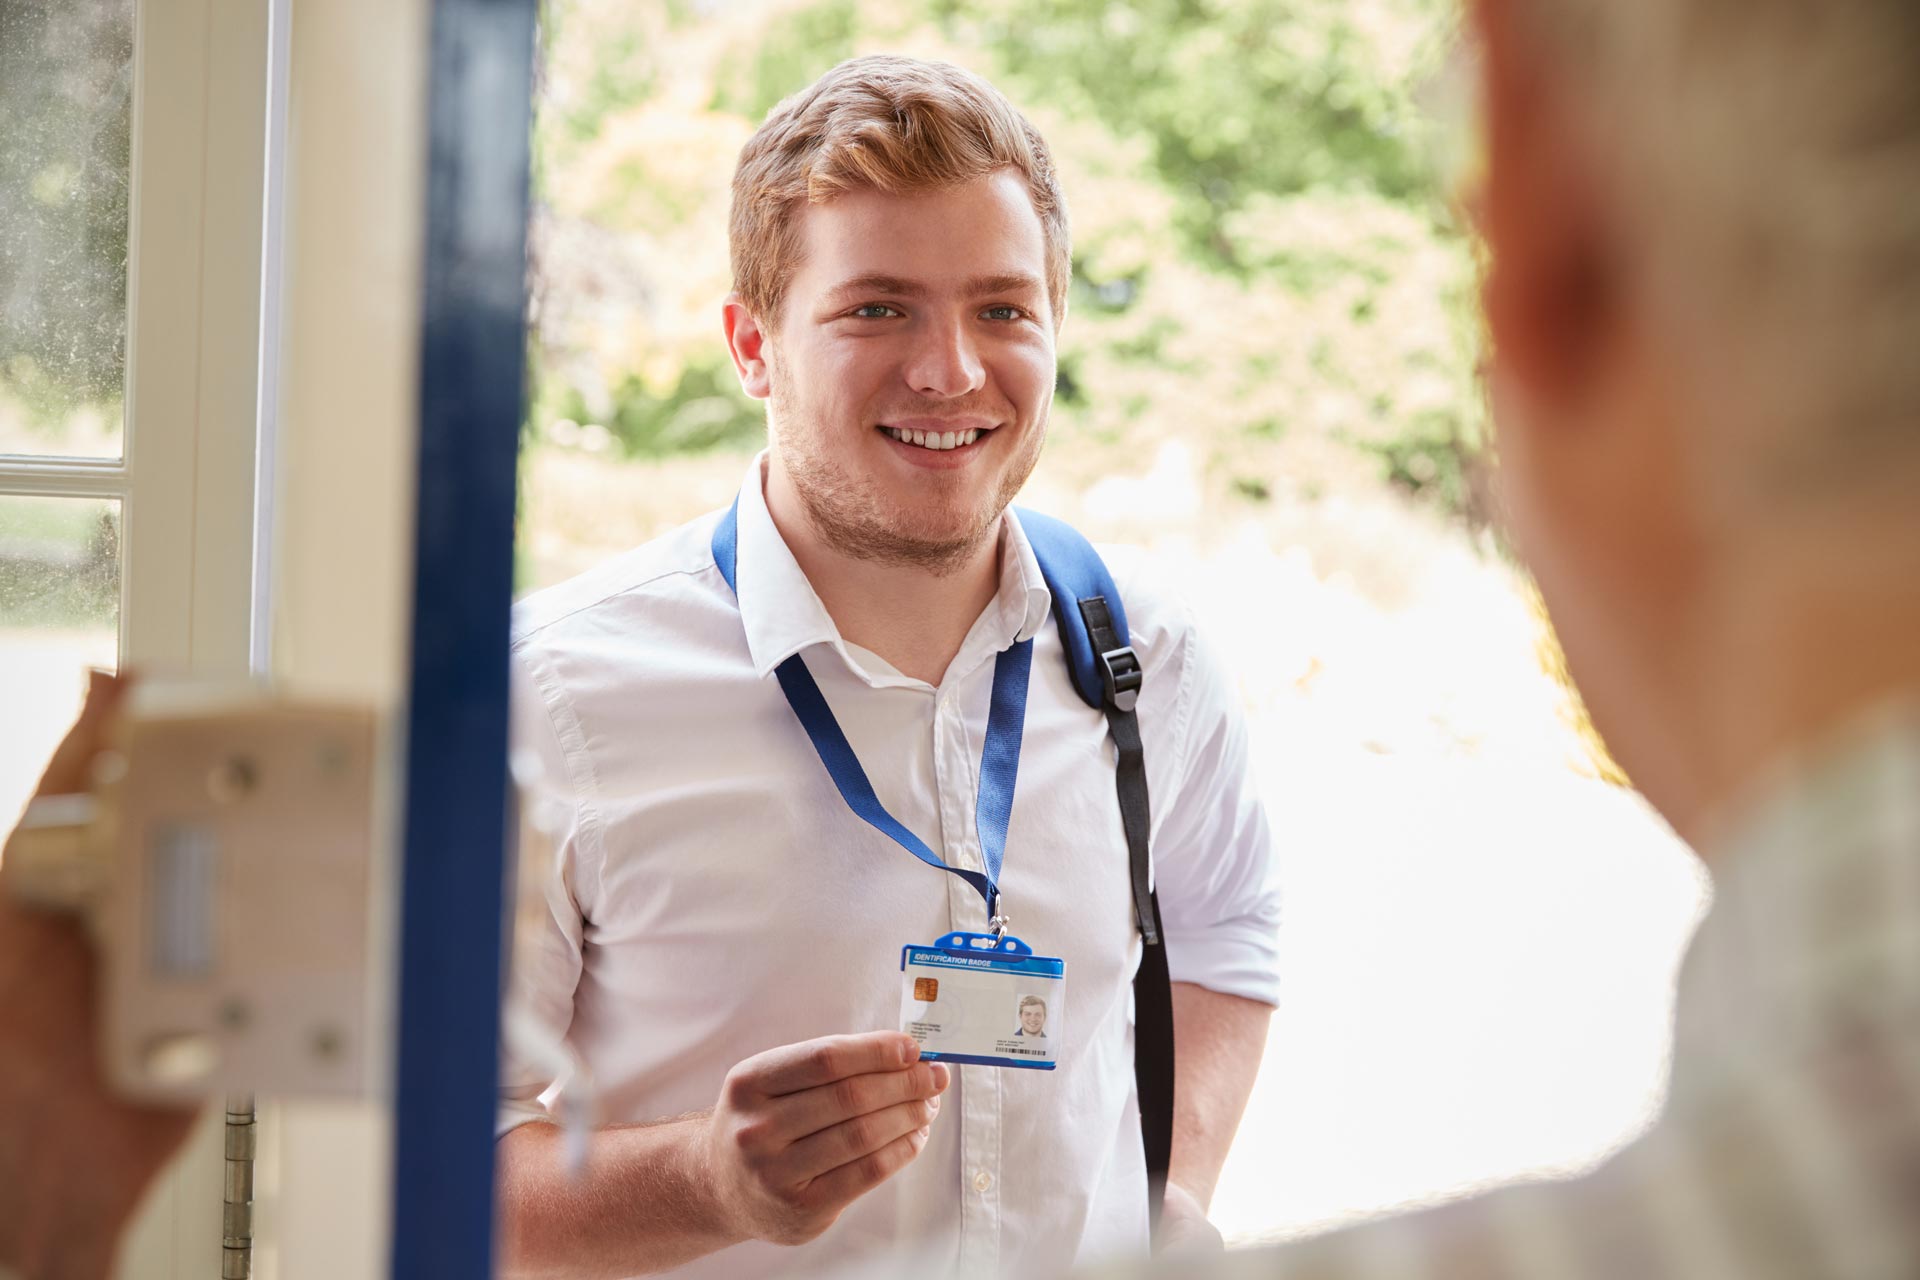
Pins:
x: 936, y: 440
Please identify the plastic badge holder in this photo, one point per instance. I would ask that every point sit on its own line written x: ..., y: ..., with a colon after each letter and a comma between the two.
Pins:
x: 975, y: 998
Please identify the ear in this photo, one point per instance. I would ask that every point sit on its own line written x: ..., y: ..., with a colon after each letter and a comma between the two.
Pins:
x: 747, y: 344
x: 1552, y: 295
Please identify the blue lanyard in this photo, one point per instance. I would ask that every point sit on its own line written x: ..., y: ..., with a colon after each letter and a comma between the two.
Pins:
x: 999, y: 757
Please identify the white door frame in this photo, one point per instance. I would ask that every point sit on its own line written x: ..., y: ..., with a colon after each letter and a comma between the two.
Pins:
x: 198, y: 242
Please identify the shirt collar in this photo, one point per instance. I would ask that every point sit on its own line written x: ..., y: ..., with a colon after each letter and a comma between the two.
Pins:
x: 1023, y: 601
x: 783, y: 615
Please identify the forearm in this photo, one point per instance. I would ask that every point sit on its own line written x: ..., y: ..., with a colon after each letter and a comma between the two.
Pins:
x: 55, y: 1223
x: 74, y: 1175
x: 1219, y: 1040
x: 74, y: 1159
x: 644, y: 1202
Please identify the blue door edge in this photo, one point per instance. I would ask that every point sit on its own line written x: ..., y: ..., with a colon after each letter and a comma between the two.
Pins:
x: 454, y: 829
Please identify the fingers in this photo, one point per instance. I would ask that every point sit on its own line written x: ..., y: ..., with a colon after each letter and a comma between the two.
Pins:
x: 799, y: 1114
x: 67, y: 772
x: 850, y: 1140
x: 802, y: 1130
x: 812, y: 1063
x: 854, y: 1179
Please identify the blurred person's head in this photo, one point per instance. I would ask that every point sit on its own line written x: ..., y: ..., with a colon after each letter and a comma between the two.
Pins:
x: 1704, y: 217
x: 1033, y: 1015
x: 900, y: 259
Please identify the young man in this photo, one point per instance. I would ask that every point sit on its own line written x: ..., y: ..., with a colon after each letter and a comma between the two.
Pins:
x: 724, y: 951
x: 1704, y: 302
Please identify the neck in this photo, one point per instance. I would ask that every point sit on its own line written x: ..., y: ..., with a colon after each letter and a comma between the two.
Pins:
x: 1794, y: 644
x: 910, y: 615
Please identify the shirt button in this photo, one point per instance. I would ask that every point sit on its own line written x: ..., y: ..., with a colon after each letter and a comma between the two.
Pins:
x: 982, y: 1180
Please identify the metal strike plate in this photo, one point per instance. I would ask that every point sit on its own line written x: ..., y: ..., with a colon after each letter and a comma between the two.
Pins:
x: 234, y: 913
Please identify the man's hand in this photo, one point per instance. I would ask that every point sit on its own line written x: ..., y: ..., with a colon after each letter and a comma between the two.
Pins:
x: 797, y: 1135
x: 1184, y: 1228
x: 802, y: 1131
x: 74, y: 1159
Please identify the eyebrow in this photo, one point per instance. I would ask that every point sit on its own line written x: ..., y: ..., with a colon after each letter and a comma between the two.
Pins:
x: 977, y: 286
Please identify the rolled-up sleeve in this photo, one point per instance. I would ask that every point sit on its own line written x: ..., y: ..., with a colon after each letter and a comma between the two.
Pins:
x: 549, y: 922
x: 1212, y: 849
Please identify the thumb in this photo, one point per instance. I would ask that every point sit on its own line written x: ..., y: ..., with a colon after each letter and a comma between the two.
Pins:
x: 67, y: 772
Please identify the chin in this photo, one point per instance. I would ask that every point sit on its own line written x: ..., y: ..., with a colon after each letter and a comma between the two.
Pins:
x: 957, y: 532
x: 940, y: 512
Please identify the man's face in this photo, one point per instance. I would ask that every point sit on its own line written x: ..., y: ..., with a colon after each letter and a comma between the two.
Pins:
x: 911, y: 369
x: 1032, y: 1019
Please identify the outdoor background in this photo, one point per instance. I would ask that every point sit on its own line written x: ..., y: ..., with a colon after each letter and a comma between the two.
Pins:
x: 1267, y: 379
x: 66, y: 81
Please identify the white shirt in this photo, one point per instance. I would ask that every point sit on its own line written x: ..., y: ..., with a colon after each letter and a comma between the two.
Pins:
x: 715, y: 897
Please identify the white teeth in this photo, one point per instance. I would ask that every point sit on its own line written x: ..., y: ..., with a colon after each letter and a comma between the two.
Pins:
x: 935, y: 439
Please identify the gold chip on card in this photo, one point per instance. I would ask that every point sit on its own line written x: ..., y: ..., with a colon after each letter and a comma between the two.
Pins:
x: 926, y: 990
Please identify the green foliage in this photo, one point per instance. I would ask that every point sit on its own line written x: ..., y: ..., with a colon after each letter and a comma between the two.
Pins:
x: 65, y: 120
x: 1264, y: 263
x: 795, y: 50
x: 625, y: 74
x: 703, y: 409
x: 1236, y: 99
x: 59, y: 563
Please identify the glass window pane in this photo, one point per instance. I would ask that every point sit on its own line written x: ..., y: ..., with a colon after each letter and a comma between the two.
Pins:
x: 59, y: 615
x: 66, y: 108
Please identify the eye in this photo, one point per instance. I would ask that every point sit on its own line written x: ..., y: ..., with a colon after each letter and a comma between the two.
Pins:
x: 1003, y: 311
x: 873, y: 311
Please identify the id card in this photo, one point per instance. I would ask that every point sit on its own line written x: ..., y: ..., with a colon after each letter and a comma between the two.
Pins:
x: 973, y: 998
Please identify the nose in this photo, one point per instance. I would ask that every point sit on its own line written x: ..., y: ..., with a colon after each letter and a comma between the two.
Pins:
x: 945, y: 363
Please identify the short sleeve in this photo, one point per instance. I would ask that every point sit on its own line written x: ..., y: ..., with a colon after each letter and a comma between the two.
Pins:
x: 1212, y: 850
x: 549, y: 921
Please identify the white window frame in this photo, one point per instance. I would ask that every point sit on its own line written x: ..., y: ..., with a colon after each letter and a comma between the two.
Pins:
x: 196, y: 247
x: 203, y: 247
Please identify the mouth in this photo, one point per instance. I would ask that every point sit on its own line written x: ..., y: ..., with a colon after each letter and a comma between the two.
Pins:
x: 933, y: 439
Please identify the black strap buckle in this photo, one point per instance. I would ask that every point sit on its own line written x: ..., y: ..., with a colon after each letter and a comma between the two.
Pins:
x: 1120, y: 674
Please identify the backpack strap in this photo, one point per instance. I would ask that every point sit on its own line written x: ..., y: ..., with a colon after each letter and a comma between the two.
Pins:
x: 1107, y: 675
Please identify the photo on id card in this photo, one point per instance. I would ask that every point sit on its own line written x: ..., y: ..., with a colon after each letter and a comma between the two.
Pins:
x: 967, y: 999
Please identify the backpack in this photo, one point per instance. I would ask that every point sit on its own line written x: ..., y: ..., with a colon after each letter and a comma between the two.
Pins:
x: 1107, y: 675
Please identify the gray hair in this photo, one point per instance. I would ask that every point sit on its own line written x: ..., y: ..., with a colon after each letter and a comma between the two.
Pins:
x: 1770, y: 155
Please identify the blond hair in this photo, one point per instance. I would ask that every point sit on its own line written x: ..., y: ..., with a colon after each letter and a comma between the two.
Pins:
x: 889, y: 124
x: 1768, y: 162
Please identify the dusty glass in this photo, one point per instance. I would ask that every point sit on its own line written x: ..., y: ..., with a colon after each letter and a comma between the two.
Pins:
x: 66, y: 108
x: 59, y: 615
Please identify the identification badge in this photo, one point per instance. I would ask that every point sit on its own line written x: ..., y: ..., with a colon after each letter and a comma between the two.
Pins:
x: 973, y: 998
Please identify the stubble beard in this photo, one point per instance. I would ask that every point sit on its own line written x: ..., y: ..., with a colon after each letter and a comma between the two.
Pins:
x: 856, y: 522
